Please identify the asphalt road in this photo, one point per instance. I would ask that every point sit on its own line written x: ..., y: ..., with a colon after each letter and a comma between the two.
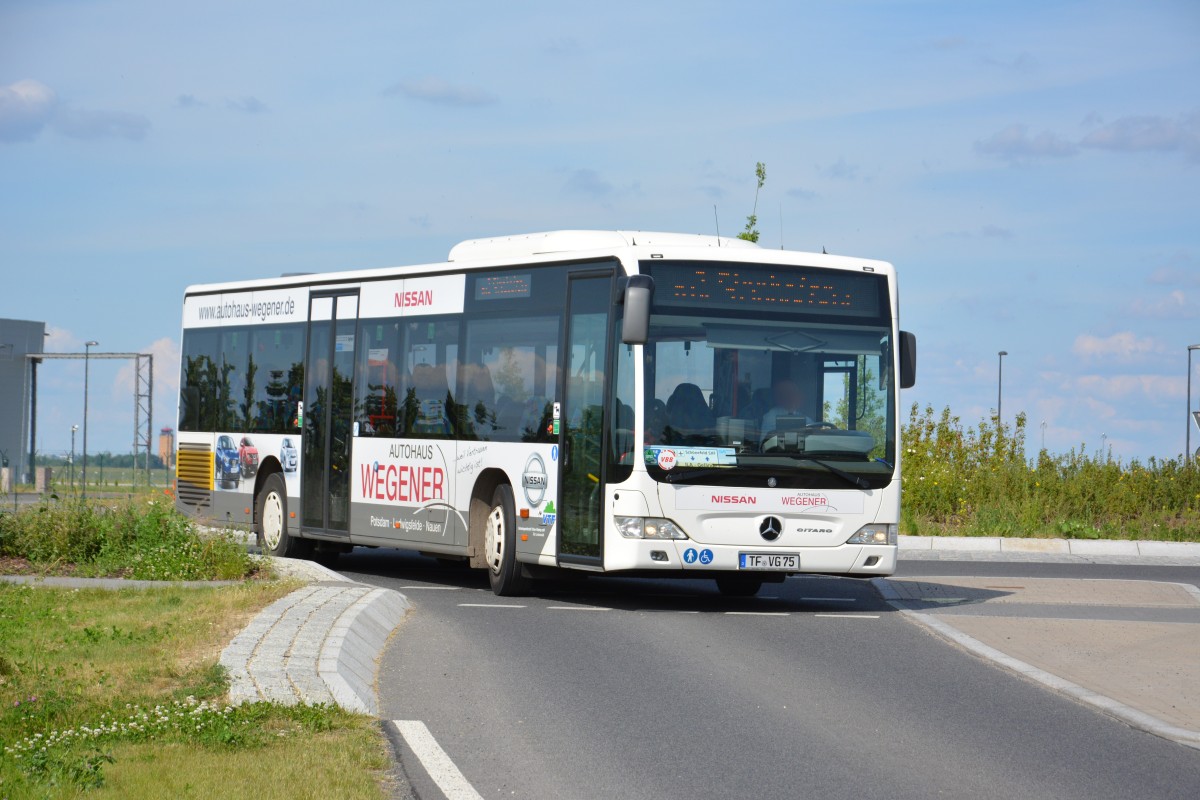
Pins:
x: 815, y: 689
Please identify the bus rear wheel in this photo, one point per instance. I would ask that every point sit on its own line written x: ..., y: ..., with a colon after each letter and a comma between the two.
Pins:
x: 500, y: 545
x: 270, y: 521
x: 739, y: 586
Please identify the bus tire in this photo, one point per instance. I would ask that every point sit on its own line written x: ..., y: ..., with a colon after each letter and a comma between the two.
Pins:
x: 500, y: 545
x: 270, y: 521
x: 739, y: 586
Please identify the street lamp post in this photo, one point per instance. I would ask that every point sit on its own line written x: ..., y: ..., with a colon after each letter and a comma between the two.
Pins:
x: 1188, y: 458
x: 1000, y: 387
x: 73, y: 429
x: 87, y: 356
x: 1043, y: 434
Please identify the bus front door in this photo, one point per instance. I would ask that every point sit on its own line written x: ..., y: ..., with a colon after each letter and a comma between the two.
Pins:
x: 580, y: 523
x: 328, y: 415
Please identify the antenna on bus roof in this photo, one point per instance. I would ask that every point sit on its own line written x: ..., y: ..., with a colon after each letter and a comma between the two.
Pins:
x: 717, y: 224
x: 823, y: 251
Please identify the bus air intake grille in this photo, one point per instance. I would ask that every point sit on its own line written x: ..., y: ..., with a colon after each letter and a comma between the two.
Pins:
x: 194, y: 475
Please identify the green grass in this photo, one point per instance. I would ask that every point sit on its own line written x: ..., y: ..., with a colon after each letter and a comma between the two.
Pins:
x: 142, y: 538
x: 118, y: 693
x: 978, y: 481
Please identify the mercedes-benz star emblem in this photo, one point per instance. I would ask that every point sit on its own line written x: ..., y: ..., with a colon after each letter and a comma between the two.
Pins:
x: 770, y: 529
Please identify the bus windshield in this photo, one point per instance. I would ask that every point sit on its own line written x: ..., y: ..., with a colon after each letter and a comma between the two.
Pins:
x: 740, y: 393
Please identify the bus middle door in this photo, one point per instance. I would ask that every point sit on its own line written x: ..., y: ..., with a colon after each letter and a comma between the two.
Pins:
x: 328, y: 415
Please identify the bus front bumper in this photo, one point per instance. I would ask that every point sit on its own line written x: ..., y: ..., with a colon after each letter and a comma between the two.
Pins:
x: 695, y: 559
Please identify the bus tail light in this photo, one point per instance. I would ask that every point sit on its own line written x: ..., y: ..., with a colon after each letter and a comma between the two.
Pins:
x: 648, y: 528
x: 876, y: 533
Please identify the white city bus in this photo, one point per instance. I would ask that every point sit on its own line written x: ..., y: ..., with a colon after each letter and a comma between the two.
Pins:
x: 618, y: 402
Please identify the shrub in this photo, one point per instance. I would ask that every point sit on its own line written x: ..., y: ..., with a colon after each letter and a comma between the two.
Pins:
x: 140, y: 539
x: 979, y: 481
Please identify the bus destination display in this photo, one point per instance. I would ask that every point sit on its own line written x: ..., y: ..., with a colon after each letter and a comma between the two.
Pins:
x: 750, y: 286
x: 503, y: 287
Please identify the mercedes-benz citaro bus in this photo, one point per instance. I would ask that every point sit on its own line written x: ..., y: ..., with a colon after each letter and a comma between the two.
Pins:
x: 637, y: 403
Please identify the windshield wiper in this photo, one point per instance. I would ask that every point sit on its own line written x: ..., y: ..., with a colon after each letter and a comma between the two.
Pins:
x: 841, y: 473
x: 675, y: 477
x: 672, y: 477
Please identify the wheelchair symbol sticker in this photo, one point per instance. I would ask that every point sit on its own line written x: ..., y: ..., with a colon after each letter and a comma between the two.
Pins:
x: 706, y: 556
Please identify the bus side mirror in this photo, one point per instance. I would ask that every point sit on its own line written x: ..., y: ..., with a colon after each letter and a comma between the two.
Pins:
x: 635, y: 325
x: 908, y: 360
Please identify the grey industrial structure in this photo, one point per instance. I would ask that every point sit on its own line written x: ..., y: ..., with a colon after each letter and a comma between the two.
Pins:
x: 19, y: 338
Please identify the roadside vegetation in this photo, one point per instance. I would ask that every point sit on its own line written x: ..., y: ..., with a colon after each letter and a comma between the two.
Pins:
x: 980, y: 481
x: 118, y: 693
x: 141, y: 538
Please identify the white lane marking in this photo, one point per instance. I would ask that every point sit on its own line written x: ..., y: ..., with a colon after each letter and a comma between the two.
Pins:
x: 849, y: 616
x: 578, y: 608
x: 488, y: 605
x: 830, y: 599
x: 433, y: 588
x: 756, y: 613
x: 439, y: 766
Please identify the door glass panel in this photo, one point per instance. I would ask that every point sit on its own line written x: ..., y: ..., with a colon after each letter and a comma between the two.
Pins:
x: 341, y: 409
x: 582, y: 417
x: 317, y: 379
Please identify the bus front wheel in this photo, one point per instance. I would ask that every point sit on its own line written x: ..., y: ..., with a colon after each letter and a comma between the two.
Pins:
x: 270, y: 515
x: 500, y: 545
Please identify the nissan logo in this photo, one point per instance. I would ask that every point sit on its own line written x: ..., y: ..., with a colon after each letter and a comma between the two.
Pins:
x: 533, y: 480
x: 770, y: 529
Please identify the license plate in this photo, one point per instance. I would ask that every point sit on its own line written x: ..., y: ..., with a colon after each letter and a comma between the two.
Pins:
x: 769, y: 561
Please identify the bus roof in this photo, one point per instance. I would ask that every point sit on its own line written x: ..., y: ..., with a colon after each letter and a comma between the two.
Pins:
x: 545, y: 243
x: 544, y: 246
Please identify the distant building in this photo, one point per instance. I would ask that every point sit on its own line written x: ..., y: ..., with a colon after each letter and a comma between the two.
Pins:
x: 166, y: 447
x: 18, y: 338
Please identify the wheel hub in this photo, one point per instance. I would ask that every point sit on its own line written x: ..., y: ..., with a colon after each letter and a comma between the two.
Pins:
x: 493, y: 539
x: 272, y: 521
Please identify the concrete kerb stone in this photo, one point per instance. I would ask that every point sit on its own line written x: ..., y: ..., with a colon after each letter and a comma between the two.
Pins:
x: 1025, y: 549
x: 1103, y: 547
x: 319, y: 644
x: 1114, y: 708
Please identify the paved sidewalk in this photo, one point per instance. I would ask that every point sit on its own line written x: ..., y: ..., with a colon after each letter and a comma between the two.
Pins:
x: 319, y: 644
x: 1129, y: 648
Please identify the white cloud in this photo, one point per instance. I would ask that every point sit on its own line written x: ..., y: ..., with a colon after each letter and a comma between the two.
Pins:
x: 1015, y: 144
x: 441, y: 92
x: 1173, y: 305
x: 61, y: 340
x: 25, y: 108
x: 79, y: 123
x: 1149, y: 133
x: 1124, y: 346
x: 841, y: 170
x: 165, y: 352
x: 1118, y: 387
x: 246, y: 105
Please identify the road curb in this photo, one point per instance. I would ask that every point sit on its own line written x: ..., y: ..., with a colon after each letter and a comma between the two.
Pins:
x: 319, y: 644
x: 1075, y: 547
x: 1127, y: 714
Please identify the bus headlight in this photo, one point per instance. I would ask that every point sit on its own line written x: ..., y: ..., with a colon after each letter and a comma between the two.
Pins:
x: 876, y: 533
x: 648, y: 528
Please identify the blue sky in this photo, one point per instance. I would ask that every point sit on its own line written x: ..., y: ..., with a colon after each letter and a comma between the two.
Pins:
x: 1030, y: 167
